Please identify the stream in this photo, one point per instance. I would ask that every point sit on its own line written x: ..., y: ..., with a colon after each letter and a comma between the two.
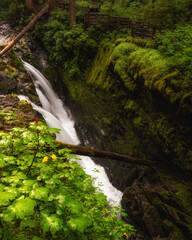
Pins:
x: 59, y: 116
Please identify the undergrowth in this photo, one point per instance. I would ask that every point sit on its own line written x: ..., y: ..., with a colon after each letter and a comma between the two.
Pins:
x: 47, y: 195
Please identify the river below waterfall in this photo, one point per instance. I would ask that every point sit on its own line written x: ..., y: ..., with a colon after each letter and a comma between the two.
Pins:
x: 59, y: 116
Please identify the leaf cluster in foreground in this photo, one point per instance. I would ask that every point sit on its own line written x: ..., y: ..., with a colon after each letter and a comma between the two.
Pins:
x: 47, y: 195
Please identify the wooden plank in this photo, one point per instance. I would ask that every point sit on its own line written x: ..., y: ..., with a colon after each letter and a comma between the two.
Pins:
x: 139, y: 28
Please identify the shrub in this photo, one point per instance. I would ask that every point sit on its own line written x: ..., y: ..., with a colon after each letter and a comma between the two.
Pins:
x: 4, y: 8
x: 177, y: 45
x: 46, y: 195
x: 166, y: 14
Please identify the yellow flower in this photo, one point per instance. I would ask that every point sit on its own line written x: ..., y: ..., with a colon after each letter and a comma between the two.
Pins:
x: 125, y: 236
x: 53, y: 157
x: 45, y: 159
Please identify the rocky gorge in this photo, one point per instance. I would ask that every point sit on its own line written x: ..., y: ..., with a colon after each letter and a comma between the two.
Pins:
x: 131, y: 109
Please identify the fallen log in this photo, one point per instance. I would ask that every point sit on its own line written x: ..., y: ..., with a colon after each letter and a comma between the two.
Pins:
x: 31, y: 24
x: 86, y: 151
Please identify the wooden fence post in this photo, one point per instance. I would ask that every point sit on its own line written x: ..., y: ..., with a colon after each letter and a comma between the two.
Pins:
x: 143, y: 29
x: 133, y: 29
x: 108, y: 21
x: 118, y: 22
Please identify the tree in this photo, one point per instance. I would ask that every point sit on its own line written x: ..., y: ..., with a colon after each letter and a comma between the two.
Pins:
x: 72, y: 13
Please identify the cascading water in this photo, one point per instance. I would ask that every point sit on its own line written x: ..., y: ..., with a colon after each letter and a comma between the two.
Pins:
x: 58, y: 116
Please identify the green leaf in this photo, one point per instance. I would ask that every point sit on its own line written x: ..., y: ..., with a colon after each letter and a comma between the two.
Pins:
x: 28, y: 136
x: 20, y: 236
x: 16, y: 178
x: 6, y: 197
x: 2, y: 163
x: 62, y: 199
x: 52, y: 223
x: 29, y: 183
x: 17, y: 131
x: 75, y: 207
x: 6, y: 159
x: 28, y: 222
x: 79, y: 224
x: 21, y: 208
x: 37, y: 238
x: 2, y: 187
x: 39, y: 193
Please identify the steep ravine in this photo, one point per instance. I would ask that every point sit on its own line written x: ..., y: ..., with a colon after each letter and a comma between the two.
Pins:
x: 120, y: 111
x: 123, y: 111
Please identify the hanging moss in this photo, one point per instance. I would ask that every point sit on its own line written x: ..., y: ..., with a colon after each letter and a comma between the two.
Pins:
x: 99, y: 72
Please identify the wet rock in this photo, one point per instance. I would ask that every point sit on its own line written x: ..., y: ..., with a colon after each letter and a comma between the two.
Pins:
x: 23, y: 111
x: 7, y: 85
x: 4, y: 33
x: 149, y: 207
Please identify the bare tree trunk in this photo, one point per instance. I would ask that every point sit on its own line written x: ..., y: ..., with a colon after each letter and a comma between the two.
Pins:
x: 85, y: 151
x: 31, y: 24
x: 72, y: 13
x: 30, y: 5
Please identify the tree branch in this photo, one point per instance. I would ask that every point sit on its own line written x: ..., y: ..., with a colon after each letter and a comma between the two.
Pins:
x: 31, y: 24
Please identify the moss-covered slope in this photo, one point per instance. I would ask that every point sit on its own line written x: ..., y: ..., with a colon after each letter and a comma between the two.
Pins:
x: 135, y: 101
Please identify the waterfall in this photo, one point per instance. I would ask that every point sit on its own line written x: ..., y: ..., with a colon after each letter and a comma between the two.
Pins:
x: 57, y: 115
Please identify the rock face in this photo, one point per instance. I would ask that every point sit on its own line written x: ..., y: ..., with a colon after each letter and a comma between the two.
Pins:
x: 5, y: 30
x: 155, y: 208
x: 129, y: 107
x: 13, y: 77
x: 23, y: 111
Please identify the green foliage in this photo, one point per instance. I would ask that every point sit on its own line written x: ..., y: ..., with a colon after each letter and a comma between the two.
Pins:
x: 14, y: 10
x: 184, y: 196
x: 177, y: 45
x: 4, y: 8
x: 165, y: 70
x: 167, y: 14
x: 17, y: 10
x: 72, y: 49
x: 100, y: 66
x: 7, y: 117
x: 162, y: 14
x: 68, y: 46
x: 126, y: 8
x: 132, y: 81
x: 46, y: 195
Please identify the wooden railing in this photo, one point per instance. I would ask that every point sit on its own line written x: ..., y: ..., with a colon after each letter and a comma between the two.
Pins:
x: 138, y: 28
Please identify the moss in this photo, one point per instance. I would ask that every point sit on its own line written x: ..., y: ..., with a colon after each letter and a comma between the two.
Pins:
x: 185, y: 197
x: 16, y: 61
x: 176, y: 234
x: 120, y: 85
x: 140, y: 42
x: 99, y: 71
x: 128, y: 103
